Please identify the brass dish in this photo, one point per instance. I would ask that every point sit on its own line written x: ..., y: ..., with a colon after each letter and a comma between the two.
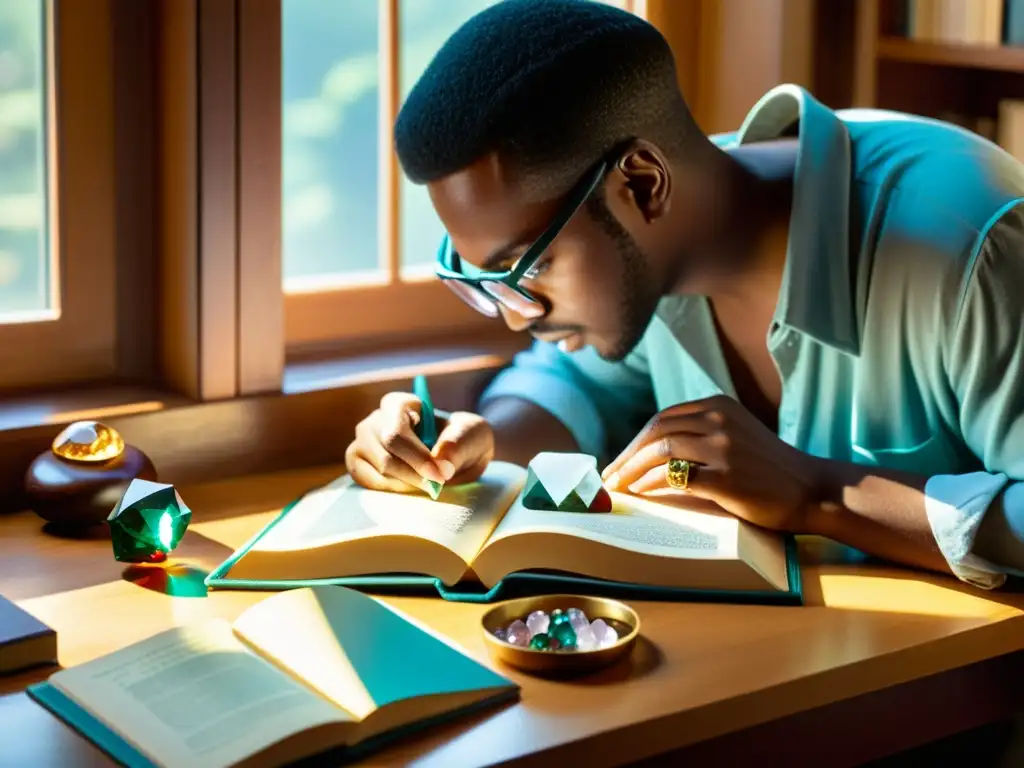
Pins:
x: 619, y: 615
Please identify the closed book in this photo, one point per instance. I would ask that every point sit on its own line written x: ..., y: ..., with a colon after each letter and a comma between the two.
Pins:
x: 25, y: 641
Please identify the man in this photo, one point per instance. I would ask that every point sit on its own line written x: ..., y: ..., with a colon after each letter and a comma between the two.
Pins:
x: 814, y: 323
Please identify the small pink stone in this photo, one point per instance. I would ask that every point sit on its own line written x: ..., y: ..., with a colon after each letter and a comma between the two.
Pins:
x: 518, y: 633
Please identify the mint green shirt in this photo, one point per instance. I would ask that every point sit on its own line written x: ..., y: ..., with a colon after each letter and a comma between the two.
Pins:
x: 900, y: 323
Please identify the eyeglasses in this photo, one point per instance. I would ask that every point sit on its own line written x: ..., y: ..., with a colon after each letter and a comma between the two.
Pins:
x: 487, y: 292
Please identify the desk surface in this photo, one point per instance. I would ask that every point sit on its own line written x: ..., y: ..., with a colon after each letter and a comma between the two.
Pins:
x: 701, y: 673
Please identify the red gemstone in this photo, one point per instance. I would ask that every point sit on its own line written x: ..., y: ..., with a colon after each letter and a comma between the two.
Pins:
x: 602, y: 502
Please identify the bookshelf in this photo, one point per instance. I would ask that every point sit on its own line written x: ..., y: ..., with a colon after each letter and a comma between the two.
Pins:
x: 924, y: 65
x: 998, y: 58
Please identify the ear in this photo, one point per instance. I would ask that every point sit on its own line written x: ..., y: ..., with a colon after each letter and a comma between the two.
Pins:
x: 648, y: 179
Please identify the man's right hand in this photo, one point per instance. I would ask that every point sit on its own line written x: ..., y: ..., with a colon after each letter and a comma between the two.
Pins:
x: 387, y: 455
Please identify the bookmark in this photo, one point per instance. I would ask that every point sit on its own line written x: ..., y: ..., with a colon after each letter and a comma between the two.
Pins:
x: 427, y: 428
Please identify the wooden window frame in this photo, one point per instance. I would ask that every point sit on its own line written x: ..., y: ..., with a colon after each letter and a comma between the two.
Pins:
x: 220, y: 203
x: 403, y: 304
x: 78, y: 341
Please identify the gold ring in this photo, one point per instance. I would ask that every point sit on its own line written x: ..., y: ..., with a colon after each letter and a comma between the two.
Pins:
x: 678, y: 474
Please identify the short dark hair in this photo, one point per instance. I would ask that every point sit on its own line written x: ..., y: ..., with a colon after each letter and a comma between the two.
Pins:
x: 550, y: 85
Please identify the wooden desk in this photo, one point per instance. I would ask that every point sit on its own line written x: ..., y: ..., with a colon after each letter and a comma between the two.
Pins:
x: 881, y: 660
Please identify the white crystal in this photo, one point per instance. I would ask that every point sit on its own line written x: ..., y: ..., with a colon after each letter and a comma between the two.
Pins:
x: 577, y: 619
x: 585, y: 640
x: 518, y: 633
x: 561, y: 473
x: 538, y: 622
x: 604, y: 634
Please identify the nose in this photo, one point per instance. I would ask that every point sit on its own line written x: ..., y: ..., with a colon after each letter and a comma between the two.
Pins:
x: 515, y: 321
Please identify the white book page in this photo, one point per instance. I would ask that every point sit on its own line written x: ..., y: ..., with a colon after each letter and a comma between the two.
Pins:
x: 637, y: 524
x: 194, y: 697
x: 461, y: 519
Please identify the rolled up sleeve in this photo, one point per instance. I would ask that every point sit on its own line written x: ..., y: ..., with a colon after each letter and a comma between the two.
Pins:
x: 602, y: 404
x: 984, y: 362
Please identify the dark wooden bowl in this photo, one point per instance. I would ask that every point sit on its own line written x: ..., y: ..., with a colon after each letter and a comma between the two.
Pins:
x: 76, y: 495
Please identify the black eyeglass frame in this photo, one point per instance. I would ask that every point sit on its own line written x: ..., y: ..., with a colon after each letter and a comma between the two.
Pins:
x: 450, y: 268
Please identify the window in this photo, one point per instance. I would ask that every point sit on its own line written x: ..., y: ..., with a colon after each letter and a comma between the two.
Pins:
x: 358, y: 239
x: 26, y: 271
x: 57, y: 316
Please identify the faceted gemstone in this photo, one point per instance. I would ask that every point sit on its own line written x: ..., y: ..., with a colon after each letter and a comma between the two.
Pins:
x: 565, y: 635
x: 565, y: 482
x: 538, y: 622
x: 585, y: 640
x: 553, y: 644
x: 558, y: 618
x: 518, y: 633
x: 540, y: 642
x: 577, y: 619
x: 434, y: 488
x: 603, y: 634
x: 148, y: 522
x: 500, y: 633
x: 88, y: 441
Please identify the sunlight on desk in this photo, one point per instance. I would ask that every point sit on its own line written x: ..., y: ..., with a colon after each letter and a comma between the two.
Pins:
x: 120, y: 613
x: 910, y: 596
x: 234, y: 532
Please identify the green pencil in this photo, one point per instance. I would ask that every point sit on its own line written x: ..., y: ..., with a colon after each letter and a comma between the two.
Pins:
x: 427, y: 428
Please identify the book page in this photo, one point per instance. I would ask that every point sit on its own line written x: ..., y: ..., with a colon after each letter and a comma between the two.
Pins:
x: 359, y: 653
x: 460, y: 520
x: 195, y: 696
x: 637, y: 524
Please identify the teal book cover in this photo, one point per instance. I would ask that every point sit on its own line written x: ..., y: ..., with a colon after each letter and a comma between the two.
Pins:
x: 523, y: 583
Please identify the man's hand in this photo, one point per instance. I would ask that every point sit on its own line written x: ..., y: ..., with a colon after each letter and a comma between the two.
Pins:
x: 743, y: 467
x: 387, y: 455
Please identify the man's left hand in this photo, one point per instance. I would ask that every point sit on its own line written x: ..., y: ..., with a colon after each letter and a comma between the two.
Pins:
x: 736, y: 463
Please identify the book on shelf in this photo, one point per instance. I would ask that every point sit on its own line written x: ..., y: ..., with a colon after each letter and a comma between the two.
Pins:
x: 478, y: 542
x: 25, y: 641
x: 326, y: 673
x: 964, y: 22
x: 1011, y: 127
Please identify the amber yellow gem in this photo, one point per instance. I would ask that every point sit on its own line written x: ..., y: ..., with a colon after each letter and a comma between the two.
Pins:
x: 89, y: 441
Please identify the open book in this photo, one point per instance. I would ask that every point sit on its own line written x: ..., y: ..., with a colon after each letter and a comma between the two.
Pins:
x: 301, y: 673
x: 478, y: 542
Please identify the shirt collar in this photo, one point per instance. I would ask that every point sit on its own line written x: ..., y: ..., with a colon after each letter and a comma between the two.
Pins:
x: 817, y: 294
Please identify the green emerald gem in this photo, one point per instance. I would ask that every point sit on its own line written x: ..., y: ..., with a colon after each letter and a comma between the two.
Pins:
x: 564, y: 482
x: 148, y: 522
x: 540, y: 642
x: 565, y: 635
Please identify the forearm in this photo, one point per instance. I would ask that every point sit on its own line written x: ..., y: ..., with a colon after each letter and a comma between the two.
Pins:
x: 523, y: 429
x: 880, y: 512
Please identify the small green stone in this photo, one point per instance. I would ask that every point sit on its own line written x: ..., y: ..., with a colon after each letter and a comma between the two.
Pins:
x: 148, y: 522
x: 540, y: 642
x: 558, y: 618
x: 565, y: 635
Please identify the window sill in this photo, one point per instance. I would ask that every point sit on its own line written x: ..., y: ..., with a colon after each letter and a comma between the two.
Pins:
x: 430, y: 358
x: 307, y: 423
x: 58, y: 409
